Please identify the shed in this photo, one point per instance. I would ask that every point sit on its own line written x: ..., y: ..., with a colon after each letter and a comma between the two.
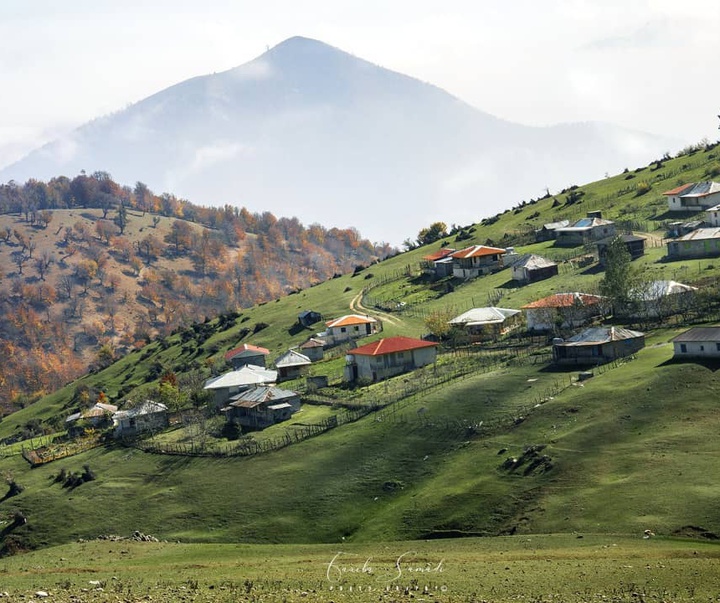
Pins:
x: 532, y: 268
x: 262, y: 406
x: 313, y: 348
x: 634, y: 244
x: 309, y: 317
x: 292, y: 364
x: 598, y: 345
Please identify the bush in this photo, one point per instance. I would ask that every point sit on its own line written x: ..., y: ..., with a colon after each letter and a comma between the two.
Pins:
x: 642, y: 188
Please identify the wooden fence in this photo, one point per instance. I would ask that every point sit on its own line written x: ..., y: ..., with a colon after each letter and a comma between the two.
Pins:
x: 53, y: 452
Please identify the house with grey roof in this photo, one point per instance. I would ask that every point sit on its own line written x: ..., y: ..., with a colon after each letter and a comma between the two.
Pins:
x: 548, y: 232
x: 584, y: 231
x: 657, y: 299
x: 149, y: 416
x: 700, y: 243
x: 634, y: 244
x: 698, y: 342
x: 487, y: 323
x: 262, y: 406
x: 233, y: 382
x: 597, y: 345
x: 531, y: 268
x: 292, y: 364
x: 695, y: 196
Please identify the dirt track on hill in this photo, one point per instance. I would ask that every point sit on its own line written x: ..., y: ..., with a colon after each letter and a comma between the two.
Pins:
x: 356, y: 305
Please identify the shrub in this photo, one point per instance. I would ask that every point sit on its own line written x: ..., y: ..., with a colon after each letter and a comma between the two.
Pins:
x: 642, y: 188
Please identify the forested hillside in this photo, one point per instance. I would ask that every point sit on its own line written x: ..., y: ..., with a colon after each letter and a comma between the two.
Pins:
x: 91, y: 269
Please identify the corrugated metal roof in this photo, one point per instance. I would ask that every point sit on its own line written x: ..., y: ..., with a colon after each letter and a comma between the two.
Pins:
x: 257, y: 395
x: 711, y: 334
x: 147, y: 407
x: 349, y: 320
x: 534, y: 262
x: 246, y: 349
x: 564, y: 300
x: 659, y: 289
x: 292, y: 358
x: 313, y: 342
x: 556, y: 225
x: 625, y: 238
x: 599, y: 335
x: 247, y: 375
x: 482, y: 316
x: 391, y: 345
x: 585, y: 224
x: 439, y: 254
x: 475, y: 251
x: 694, y: 189
x: 701, y: 234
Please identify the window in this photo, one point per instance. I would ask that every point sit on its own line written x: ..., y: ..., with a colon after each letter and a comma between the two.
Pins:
x: 702, y: 348
x: 717, y: 347
x: 343, y: 330
x: 683, y: 348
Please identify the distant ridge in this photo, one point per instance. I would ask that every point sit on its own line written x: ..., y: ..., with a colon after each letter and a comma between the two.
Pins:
x: 309, y: 130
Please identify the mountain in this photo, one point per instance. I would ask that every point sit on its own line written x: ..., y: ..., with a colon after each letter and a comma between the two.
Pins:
x: 309, y: 130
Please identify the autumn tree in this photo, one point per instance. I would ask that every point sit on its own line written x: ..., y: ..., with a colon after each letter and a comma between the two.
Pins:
x: 434, y: 232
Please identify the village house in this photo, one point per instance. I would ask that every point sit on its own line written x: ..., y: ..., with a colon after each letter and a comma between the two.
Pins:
x: 487, y: 323
x: 98, y: 415
x: 477, y: 260
x: 532, y: 268
x: 292, y: 364
x: 634, y: 245
x: 149, y: 416
x: 563, y: 310
x: 548, y: 232
x: 246, y: 354
x: 351, y: 326
x: 700, y: 243
x: 598, y: 345
x: 695, y: 196
x: 388, y: 357
x: 438, y: 264
x: 698, y: 342
x: 313, y: 348
x: 262, y: 406
x: 309, y: 317
x: 584, y: 232
x: 227, y: 385
x: 658, y: 299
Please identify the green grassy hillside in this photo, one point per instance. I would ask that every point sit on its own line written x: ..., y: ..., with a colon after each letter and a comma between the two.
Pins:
x: 628, y: 450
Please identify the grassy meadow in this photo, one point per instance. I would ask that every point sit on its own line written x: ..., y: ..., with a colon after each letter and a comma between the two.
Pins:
x: 538, y: 568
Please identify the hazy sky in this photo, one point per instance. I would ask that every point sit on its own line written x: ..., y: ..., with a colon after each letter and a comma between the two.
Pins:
x: 645, y: 64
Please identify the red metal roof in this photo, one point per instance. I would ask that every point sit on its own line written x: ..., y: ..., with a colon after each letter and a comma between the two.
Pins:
x: 564, y: 300
x: 350, y: 319
x: 475, y: 251
x: 246, y: 347
x: 390, y: 345
x: 678, y: 189
x: 439, y: 254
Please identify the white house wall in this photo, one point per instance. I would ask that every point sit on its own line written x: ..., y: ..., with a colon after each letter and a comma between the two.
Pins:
x: 697, y: 349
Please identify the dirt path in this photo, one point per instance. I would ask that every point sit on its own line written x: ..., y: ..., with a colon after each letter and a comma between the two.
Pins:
x: 356, y: 305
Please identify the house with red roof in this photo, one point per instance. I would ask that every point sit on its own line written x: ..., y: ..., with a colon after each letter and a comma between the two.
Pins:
x: 563, y: 310
x: 350, y: 326
x: 477, y: 260
x: 246, y: 354
x: 388, y: 357
x: 695, y: 196
x: 438, y: 264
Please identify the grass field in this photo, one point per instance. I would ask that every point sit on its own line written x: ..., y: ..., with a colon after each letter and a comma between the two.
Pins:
x: 538, y: 568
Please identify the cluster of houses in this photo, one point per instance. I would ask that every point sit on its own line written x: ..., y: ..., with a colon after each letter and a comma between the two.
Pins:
x: 148, y: 416
x: 248, y: 394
